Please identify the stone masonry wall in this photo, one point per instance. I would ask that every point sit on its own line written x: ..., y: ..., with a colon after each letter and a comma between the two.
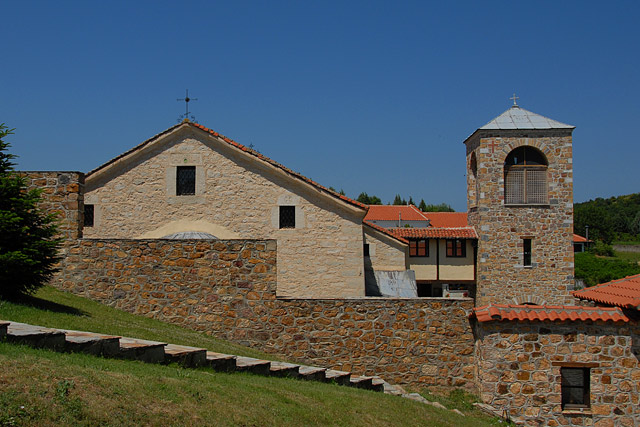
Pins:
x: 519, y: 370
x: 62, y: 195
x: 228, y: 289
x: 236, y: 197
x: 501, y: 276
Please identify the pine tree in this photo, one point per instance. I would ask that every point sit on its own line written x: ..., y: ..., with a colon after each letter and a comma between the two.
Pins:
x: 422, y: 206
x: 28, y: 247
x: 398, y: 200
x: 411, y: 202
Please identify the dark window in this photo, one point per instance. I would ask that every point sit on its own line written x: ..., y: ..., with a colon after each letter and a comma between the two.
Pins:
x: 186, y: 180
x: 526, y: 252
x: 366, y: 249
x: 575, y: 387
x: 419, y: 248
x: 525, y: 177
x: 88, y: 215
x: 287, y: 217
x: 456, y: 248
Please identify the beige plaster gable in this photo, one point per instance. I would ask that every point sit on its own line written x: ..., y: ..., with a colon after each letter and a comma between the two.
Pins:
x: 183, y: 132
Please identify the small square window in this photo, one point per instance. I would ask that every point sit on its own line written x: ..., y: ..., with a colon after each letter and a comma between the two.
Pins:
x: 88, y: 215
x: 526, y: 252
x: 456, y: 248
x: 575, y: 387
x: 287, y: 217
x: 186, y: 180
x: 419, y: 248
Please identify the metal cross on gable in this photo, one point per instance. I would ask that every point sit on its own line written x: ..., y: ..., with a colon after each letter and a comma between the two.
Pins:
x: 514, y: 97
x: 186, y: 100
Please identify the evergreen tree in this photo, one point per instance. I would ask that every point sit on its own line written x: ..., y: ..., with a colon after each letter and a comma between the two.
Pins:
x: 422, y: 206
x: 369, y: 200
x: 398, y: 200
x: 411, y: 202
x: 28, y: 247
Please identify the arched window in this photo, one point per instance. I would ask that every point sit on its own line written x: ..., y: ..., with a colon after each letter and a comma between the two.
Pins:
x: 525, y: 177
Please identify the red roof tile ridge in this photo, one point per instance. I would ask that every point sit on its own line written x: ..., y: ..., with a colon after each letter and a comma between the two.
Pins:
x: 623, y: 292
x: 503, y: 312
x: 385, y: 231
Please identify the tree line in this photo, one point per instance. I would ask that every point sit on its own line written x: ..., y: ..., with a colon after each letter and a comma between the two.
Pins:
x: 609, y: 220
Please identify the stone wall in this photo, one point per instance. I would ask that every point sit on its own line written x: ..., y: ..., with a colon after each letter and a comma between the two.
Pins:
x: 519, y: 370
x: 501, y: 228
x: 228, y: 289
x: 62, y: 195
x: 237, y: 196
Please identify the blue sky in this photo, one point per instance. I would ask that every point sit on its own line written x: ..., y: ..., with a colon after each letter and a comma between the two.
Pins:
x: 362, y: 96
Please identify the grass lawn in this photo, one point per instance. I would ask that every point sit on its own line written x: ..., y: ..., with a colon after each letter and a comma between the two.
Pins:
x: 41, y: 387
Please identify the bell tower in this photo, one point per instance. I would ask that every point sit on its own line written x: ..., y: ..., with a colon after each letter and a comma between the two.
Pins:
x: 520, y: 201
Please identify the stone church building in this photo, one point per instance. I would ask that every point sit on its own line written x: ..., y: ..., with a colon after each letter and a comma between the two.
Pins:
x: 193, y: 228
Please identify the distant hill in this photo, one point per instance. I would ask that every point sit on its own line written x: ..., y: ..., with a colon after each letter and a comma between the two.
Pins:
x: 612, y: 219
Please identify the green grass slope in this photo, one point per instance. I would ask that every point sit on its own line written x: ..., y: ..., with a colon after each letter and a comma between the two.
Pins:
x: 45, y: 388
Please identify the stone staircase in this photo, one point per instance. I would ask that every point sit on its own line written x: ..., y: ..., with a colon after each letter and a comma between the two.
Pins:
x: 189, y: 357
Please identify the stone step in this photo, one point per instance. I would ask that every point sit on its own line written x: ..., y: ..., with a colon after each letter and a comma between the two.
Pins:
x: 221, y: 362
x: 395, y: 390
x: 312, y: 373
x: 3, y: 329
x: 339, y: 377
x: 255, y: 366
x: 190, y: 357
x: 35, y: 336
x: 283, y: 369
x: 361, y: 382
x: 92, y: 343
x: 146, y: 351
x: 377, y: 384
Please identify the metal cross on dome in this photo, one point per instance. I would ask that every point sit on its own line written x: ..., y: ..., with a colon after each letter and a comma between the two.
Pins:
x: 186, y: 100
x: 514, y: 97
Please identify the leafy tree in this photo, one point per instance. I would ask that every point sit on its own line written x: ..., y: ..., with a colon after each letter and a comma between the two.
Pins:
x: 615, y: 218
x: 369, y: 200
x: 442, y: 207
x: 28, y: 247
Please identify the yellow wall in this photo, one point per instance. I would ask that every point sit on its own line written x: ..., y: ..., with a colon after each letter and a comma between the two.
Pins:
x: 450, y: 268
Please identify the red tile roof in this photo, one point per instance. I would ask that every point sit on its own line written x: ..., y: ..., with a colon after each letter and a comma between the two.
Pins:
x: 548, y: 313
x: 623, y: 293
x: 392, y: 212
x: 386, y: 231
x: 241, y: 147
x: 436, y: 233
x: 579, y: 239
x: 447, y: 219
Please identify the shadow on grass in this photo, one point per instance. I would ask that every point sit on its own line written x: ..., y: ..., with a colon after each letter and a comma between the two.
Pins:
x: 42, y: 304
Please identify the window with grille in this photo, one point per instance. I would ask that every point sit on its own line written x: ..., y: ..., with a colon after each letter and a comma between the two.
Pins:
x: 575, y: 387
x: 88, y: 215
x: 186, y: 180
x: 419, y: 248
x: 526, y: 252
x: 525, y: 177
x: 287, y: 217
x: 456, y: 248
